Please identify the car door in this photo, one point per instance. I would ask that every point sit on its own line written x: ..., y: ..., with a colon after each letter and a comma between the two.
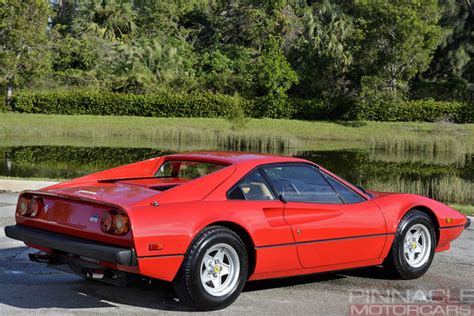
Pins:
x: 273, y: 237
x: 331, y: 223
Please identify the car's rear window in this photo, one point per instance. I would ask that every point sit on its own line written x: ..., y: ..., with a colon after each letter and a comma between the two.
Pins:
x: 187, y: 169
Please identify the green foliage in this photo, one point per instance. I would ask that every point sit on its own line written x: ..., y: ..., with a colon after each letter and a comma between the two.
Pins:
x: 165, y: 104
x: 455, y: 88
x: 108, y: 19
x: 236, y: 114
x: 322, y: 59
x: 154, y: 62
x: 74, y: 59
x: 322, y: 54
x: 453, y: 57
x: 376, y: 101
x: 395, y: 42
x: 427, y: 110
x: 107, y: 156
x: 235, y: 108
x: 71, y: 162
x: 274, y: 77
x: 229, y: 71
x: 24, y: 56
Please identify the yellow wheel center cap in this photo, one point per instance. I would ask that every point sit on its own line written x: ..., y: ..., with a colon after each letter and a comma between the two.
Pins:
x: 217, y: 269
x: 413, y: 245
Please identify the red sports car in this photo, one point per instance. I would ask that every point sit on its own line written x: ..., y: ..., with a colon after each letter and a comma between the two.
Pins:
x: 211, y: 221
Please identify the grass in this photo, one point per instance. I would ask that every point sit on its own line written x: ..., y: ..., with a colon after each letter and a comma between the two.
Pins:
x: 448, y: 188
x: 465, y: 209
x: 32, y: 179
x: 444, y: 158
x: 393, y: 142
x: 258, y: 134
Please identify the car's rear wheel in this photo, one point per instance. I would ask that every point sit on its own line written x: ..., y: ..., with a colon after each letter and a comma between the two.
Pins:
x: 413, y: 248
x: 214, y: 270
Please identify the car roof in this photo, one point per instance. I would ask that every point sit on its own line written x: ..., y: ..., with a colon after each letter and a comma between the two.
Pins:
x: 232, y: 157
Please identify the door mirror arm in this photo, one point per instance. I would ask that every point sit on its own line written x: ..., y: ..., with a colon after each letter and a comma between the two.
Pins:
x: 361, y: 188
x: 282, y: 198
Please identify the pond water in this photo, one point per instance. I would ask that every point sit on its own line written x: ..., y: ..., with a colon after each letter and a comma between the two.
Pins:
x: 446, y: 176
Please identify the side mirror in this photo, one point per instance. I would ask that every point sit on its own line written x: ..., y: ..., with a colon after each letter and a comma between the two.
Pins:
x: 361, y: 188
x: 282, y: 198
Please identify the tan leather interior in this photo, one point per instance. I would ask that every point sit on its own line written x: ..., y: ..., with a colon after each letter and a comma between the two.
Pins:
x: 258, y: 188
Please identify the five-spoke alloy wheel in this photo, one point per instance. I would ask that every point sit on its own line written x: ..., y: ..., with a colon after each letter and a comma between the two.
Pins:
x: 417, y: 245
x: 214, y: 270
x: 413, y: 248
x: 220, y: 270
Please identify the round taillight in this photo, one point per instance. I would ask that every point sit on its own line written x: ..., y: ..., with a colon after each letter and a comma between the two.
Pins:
x: 35, y: 206
x: 121, y: 224
x: 22, y: 206
x: 106, y: 222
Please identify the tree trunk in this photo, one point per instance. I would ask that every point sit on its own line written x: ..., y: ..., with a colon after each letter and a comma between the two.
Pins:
x: 9, y: 95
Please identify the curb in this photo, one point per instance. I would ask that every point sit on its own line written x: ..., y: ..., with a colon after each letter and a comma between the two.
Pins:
x: 15, y: 185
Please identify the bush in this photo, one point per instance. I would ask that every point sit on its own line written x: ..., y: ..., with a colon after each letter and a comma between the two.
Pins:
x: 452, y: 89
x: 169, y: 104
x: 317, y: 109
x: 421, y: 110
x: 107, y: 103
x: 376, y: 101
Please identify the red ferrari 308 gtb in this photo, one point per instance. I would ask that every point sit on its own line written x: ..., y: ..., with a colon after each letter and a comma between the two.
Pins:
x: 210, y: 221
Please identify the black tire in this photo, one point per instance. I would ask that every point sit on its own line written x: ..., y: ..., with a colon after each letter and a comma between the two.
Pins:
x: 396, y: 262
x: 187, y: 283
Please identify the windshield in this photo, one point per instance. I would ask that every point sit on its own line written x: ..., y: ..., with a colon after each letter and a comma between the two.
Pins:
x: 186, y: 169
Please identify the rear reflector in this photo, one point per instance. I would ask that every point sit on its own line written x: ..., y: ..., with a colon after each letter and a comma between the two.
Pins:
x: 22, y: 206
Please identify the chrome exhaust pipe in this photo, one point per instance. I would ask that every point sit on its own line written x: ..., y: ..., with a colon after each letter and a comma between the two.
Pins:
x: 41, y: 257
x: 95, y: 274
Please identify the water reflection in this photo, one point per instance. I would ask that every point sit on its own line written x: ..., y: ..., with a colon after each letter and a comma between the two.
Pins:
x: 444, y: 176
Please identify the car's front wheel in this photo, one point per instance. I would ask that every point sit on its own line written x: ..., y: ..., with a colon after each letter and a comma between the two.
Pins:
x: 214, y: 270
x: 413, y: 248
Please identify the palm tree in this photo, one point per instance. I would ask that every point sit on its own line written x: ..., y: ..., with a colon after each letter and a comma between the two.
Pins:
x: 113, y: 20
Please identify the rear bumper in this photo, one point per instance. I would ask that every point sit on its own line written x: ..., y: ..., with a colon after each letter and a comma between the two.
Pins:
x: 73, y: 245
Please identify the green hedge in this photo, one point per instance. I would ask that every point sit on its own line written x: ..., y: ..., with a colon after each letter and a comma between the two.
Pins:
x: 427, y: 110
x: 107, y: 103
x: 170, y: 105
x: 217, y: 105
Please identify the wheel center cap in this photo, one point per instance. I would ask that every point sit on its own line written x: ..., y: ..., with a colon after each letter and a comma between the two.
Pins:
x: 413, y: 245
x: 217, y: 268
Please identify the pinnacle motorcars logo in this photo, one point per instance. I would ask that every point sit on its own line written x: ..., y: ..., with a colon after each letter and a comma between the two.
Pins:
x: 411, y: 302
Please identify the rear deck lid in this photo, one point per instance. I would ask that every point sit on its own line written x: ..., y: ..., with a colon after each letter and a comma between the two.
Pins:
x: 123, y: 192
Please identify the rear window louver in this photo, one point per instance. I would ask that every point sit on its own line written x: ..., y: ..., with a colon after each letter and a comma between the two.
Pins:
x: 163, y: 187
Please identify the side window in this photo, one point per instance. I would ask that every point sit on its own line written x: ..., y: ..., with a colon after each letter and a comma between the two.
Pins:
x: 252, y: 187
x: 347, y: 194
x: 300, y: 183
